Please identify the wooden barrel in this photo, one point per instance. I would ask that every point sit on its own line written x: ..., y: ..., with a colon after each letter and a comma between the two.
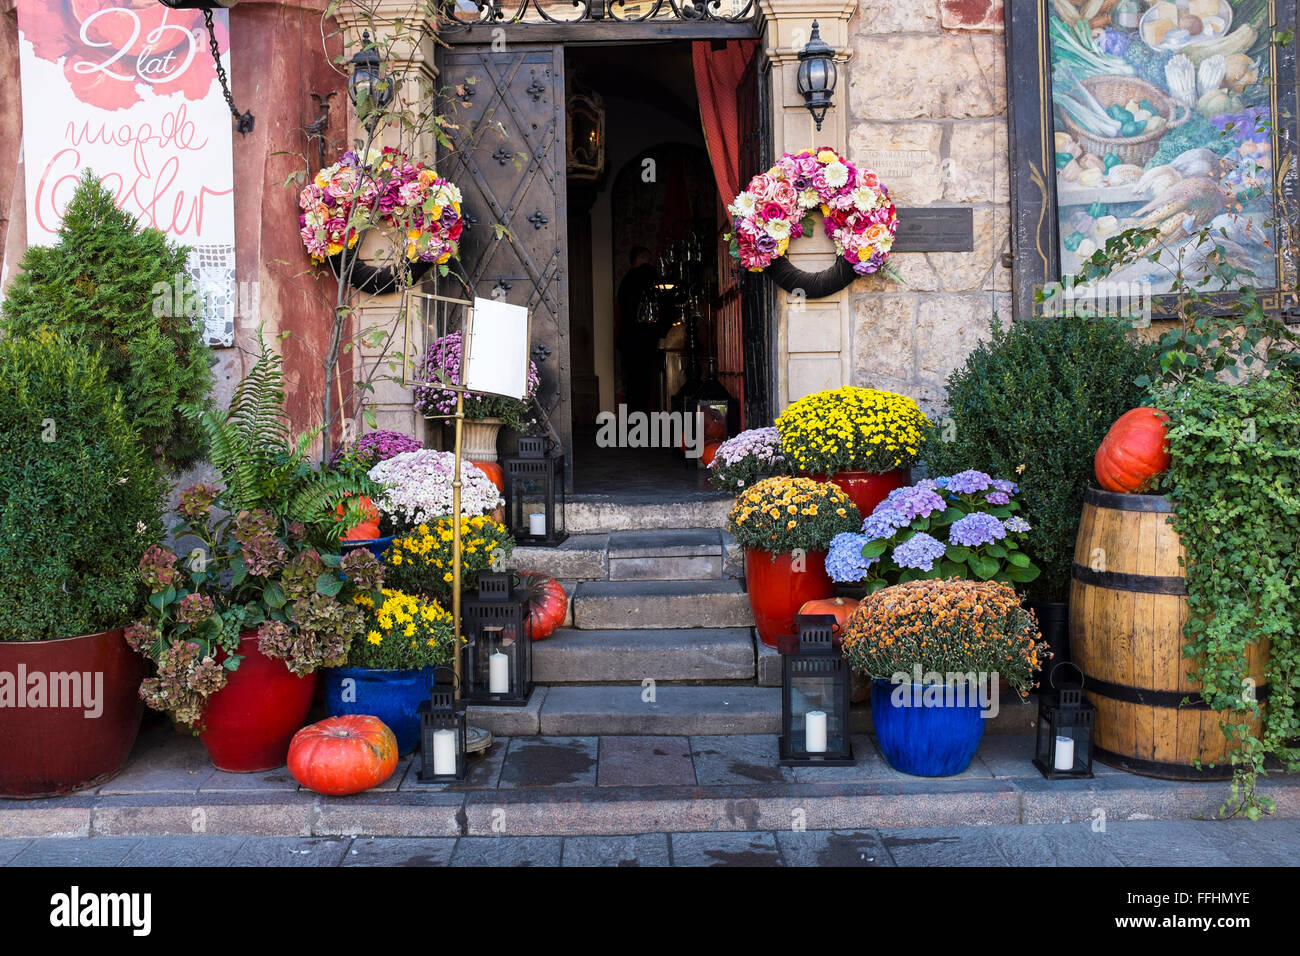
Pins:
x: 1128, y: 605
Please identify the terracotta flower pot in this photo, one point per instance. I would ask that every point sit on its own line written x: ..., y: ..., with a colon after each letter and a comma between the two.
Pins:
x: 249, y: 723
x: 866, y: 488
x: 777, y: 589
x: 84, y: 721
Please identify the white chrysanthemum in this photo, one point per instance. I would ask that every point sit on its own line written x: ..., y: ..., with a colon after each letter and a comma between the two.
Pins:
x: 837, y: 174
x: 417, y: 486
x: 808, y: 199
x: 778, y: 228
x: 453, y: 192
x: 744, y: 205
x: 864, y: 199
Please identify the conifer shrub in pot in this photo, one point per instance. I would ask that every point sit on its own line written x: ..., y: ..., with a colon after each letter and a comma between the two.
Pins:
x: 1032, y: 404
x: 82, y: 503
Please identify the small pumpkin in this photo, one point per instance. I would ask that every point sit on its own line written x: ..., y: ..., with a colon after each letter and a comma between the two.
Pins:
x: 840, y: 608
x: 343, y: 755
x: 494, y: 473
x: 1133, y: 454
x: 710, y: 452
x: 368, y: 528
x: 547, y: 604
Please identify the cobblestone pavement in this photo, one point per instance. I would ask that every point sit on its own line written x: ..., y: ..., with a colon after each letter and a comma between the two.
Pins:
x: 1146, y: 843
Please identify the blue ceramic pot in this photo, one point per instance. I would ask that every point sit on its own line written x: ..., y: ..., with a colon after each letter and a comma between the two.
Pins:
x: 390, y: 695
x: 927, y: 741
x: 377, y: 546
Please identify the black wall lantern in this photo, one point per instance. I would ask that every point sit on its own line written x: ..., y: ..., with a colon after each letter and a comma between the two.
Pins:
x: 535, y: 493
x: 368, y: 89
x: 498, y: 651
x: 442, y: 736
x: 1063, y: 748
x: 814, y: 696
x: 817, y: 76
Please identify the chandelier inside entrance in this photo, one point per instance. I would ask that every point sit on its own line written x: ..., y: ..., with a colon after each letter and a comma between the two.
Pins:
x: 574, y: 11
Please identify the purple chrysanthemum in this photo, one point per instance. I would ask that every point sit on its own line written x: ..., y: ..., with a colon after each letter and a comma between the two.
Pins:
x: 919, y: 552
x: 976, y: 529
x: 1016, y: 525
x: 915, y: 502
x: 969, y: 482
x: 883, y: 522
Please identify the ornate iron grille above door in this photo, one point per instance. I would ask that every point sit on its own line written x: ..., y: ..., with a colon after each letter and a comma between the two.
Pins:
x: 577, y: 11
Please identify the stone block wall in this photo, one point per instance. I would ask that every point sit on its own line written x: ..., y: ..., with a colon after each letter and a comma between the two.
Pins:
x: 927, y: 109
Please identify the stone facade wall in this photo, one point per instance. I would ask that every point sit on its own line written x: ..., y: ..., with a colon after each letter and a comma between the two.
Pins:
x: 927, y: 109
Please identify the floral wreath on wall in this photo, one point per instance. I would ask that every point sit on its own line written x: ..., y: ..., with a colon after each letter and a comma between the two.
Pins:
x: 390, y: 190
x: 776, y: 207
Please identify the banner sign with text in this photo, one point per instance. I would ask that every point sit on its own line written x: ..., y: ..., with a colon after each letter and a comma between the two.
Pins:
x: 128, y: 89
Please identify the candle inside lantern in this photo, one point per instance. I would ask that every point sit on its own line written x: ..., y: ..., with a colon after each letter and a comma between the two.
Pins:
x: 498, y: 673
x: 815, y: 731
x: 1064, y: 753
x: 444, y: 752
x: 537, y: 524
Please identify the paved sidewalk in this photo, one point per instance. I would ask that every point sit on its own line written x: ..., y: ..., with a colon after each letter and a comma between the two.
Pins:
x: 1150, y: 843
x: 587, y: 786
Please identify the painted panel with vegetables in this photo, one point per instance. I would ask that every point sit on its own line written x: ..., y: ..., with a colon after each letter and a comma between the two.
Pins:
x: 1161, y: 119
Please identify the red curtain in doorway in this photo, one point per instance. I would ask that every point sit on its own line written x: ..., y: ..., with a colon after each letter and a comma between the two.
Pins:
x: 718, y: 73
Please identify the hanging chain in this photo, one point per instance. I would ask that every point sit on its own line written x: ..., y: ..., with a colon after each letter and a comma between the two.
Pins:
x: 243, y: 121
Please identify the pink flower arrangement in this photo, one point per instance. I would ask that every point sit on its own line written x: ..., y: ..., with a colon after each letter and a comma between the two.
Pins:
x: 388, y: 189
x: 857, y: 213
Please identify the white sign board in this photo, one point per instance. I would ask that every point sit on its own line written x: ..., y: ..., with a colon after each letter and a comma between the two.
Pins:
x: 496, y: 359
x: 127, y: 88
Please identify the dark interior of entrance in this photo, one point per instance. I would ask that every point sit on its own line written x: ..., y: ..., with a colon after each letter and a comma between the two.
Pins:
x: 654, y: 299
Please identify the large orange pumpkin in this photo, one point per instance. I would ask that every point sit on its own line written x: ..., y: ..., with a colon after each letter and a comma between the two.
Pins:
x: 494, y: 472
x: 1133, y: 453
x: 343, y: 755
x: 547, y: 604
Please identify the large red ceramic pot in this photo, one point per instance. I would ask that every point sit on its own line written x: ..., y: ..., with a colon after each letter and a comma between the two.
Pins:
x: 249, y: 723
x: 779, y: 585
x: 866, y: 488
x: 69, y: 712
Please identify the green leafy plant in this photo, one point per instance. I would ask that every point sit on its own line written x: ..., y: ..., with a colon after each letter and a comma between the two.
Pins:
x: 1033, y: 404
x: 82, y: 500
x: 124, y: 291
x: 1235, y: 484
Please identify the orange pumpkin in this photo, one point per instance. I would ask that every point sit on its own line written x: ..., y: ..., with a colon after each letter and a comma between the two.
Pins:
x: 710, y: 451
x: 368, y: 529
x: 1133, y: 454
x: 494, y: 472
x: 839, y: 607
x: 547, y: 604
x: 343, y: 755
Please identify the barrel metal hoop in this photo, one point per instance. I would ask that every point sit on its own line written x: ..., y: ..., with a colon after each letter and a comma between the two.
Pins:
x: 1155, y: 504
x: 1122, y: 581
x: 1161, y: 769
x: 1157, y: 698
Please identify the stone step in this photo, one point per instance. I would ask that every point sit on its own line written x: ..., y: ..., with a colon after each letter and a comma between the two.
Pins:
x: 674, y: 710
x: 693, y: 554
x: 682, y: 654
x: 619, y: 605
x: 586, y: 514
x: 580, y: 557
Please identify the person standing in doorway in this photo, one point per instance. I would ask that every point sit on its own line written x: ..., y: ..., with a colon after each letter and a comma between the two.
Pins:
x: 639, y: 330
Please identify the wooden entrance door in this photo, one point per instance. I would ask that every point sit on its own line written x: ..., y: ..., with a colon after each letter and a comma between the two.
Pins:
x: 516, y: 180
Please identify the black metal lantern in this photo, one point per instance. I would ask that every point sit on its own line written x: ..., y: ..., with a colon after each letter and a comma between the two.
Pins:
x: 712, y: 414
x: 1063, y: 748
x: 817, y: 75
x: 442, y: 736
x: 498, y: 651
x: 814, y: 696
x: 368, y: 89
x: 535, y: 493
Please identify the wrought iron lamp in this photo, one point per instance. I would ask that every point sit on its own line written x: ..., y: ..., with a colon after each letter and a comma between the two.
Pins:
x: 442, y: 736
x: 814, y: 696
x: 368, y: 89
x: 535, y: 493
x: 817, y: 75
x: 1063, y: 747
x: 498, y: 651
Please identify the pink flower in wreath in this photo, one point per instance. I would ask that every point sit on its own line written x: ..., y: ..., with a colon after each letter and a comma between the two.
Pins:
x: 773, y: 210
x: 785, y: 194
x: 869, y: 178
x: 763, y: 188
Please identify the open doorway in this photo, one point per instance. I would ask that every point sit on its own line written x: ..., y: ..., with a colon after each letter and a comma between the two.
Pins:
x: 654, y: 299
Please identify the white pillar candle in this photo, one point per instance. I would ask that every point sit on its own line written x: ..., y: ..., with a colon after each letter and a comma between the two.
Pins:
x: 814, y: 732
x: 444, y: 752
x: 1064, y: 753
x: 537, y: 524
x: 499, y: 673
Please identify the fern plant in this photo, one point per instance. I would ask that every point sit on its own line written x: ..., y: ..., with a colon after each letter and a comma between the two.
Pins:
x: 262, y: 465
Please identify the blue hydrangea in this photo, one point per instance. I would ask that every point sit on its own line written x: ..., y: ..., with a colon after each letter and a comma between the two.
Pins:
x: 969, y: 482
x: 915, y: 502
x: 1010, y: 487
x: 1016, y: 525
x: 920, y: 551
x: 998, y: 498
x: 976, y: 529
x: 883, y: 522
x: 940, y: 482
x: 844, y: 560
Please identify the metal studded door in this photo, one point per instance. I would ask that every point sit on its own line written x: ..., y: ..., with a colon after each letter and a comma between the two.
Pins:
x: 517, y: 180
